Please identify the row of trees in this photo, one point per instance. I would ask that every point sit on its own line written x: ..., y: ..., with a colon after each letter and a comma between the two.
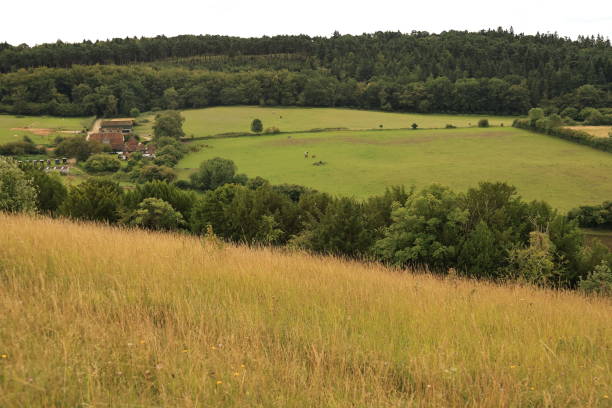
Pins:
x: 488, y: 232
x: 114, y: 90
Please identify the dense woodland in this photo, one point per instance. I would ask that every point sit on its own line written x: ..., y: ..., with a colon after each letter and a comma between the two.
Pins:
x: 492, y: 71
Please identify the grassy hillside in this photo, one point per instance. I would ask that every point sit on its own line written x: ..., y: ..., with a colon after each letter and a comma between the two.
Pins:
x: 41, y: 129
x: 89, y: 319
x: 362, y: 163
x: 211, y: 121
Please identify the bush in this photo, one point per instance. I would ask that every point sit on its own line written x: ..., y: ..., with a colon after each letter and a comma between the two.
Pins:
x: 414, y: 126
x: 449, y: 126
x: 599, y: 281
x: 19, y: 148
x: 78, y: 148
x: 155, y: 214
x: 483, y: 123
x: 169, y: 124
x: 256, y: 126
x: 154, y: 172
x: 272, y: 130
x: 95, y: 199
x: 17, y: 192
x: 213, y: 173
x: 50, y: 190
x: 100, y: 163
x: 134, y: 112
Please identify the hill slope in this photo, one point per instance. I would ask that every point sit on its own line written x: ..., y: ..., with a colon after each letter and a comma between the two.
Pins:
x: 100, y: 316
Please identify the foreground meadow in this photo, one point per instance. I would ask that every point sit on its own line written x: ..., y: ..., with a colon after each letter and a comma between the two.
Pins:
x: 90, y: 319
x: 226, y: 119
x: 362, y: 163
x: 41, y: 129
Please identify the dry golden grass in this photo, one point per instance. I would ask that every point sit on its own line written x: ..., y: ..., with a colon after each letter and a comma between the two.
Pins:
x: 597, y: 131
x: 96, y: 316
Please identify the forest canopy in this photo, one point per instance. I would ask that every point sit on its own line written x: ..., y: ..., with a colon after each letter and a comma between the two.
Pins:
x: 493, y: 71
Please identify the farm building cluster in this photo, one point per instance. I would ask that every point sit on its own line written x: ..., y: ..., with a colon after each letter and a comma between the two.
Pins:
x: 118, y: 135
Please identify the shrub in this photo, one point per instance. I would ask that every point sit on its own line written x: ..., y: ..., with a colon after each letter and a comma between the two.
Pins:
x: 17, y: 192
x: 256, y: 126
x: 155, y: 214
x: 154, y: 172
x: 483, y: 123
x: 272, y: 130
x: 599, y: 281
x: 169, y: 124
x: 213, y: 173
x: 414, y: 126
x: 449, y: 126
x: 95, y: 199
x: 134, y: 112
x: 19, y: 148
x: 50, y: 191
x: 100, y: 163
x: 78, y: 148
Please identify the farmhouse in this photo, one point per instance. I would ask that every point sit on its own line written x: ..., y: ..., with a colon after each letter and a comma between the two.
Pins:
x: 114, y: 140
x: 122, y: 125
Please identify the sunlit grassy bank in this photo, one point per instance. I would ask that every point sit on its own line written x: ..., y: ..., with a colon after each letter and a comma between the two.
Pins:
x: 94, y: 316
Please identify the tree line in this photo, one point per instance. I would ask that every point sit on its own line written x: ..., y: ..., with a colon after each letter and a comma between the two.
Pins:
x: 493, y: 71
x: 118, y: 90
x: 488, y: 232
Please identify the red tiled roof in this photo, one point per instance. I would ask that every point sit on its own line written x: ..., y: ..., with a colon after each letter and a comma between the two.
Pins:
x: 115, y: 140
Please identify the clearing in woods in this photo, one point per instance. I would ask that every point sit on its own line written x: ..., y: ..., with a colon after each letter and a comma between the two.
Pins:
x: 41, y: 129
x: 362, y: 163
x: 189, y: 322
x: 212, y: 121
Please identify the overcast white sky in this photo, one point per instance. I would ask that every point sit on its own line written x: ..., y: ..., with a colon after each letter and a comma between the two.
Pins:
x: 34, y: 22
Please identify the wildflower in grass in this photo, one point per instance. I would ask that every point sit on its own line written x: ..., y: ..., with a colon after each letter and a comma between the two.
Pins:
x: 219, y: 382
x: 606, y: 396
x: 142, y: 342
x: 236, y: 374
x: 513, y: 366
x: 4, y: 356
x: 185, y: 350
x: 242, y: 365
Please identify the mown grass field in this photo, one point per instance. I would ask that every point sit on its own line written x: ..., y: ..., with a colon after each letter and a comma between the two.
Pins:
x: 361, y: 163
x: 43, y: 129
x: 597, y: 131
x: 185, y: 322
x: 212, y: 121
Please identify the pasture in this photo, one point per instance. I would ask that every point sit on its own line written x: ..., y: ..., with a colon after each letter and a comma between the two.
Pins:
x: 362, y: 163
x: 212, y: 121
x: 190, y: 322
x: 597, y: 131
x: 41, y: 129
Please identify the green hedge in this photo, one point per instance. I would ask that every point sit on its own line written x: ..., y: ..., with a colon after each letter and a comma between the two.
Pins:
x: 576, y: 136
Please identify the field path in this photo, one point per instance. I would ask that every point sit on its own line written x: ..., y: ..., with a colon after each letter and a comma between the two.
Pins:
x: 95, y: 128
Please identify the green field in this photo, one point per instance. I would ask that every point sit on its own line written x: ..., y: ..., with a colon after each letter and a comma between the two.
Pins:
x: 361, y: 163
x: 42, y: 129
x: 212, y: 121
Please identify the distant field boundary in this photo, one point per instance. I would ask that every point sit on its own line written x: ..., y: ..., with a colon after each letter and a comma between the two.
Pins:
x: 576, y: 136
x: 316, y: 130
